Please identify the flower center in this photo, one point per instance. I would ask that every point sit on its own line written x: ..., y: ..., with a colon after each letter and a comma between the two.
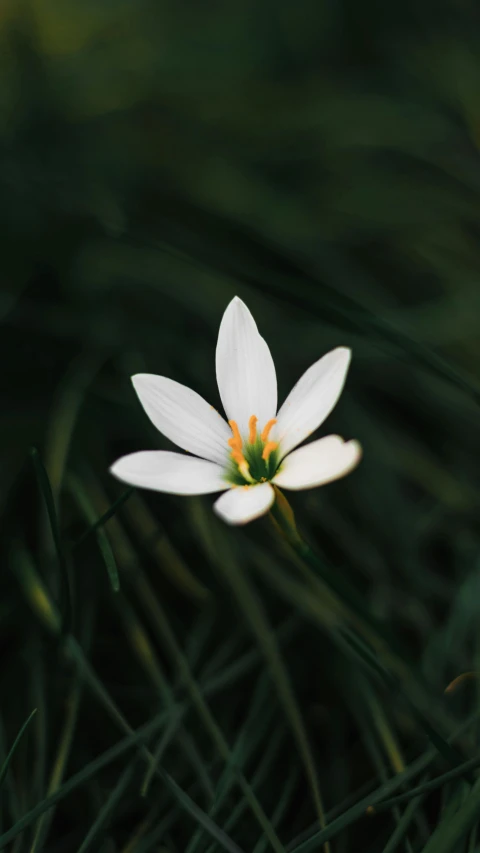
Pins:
x: 254, y: 460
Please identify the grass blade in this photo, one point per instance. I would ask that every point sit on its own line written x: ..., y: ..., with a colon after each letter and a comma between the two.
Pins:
x: 47, y: 493
x: 80, y: 495
x: 6, y: 763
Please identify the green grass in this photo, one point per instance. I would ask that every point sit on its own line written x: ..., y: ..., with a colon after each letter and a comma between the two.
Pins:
x: 169, y: 683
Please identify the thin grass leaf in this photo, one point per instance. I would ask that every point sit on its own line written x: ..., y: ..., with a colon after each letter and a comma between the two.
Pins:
x: 170, y: 562
x: 281, y: 808
x: 104, y: 518
x: 108, y: 809
x: 371, y: 631
x: 58, y: 770
x: 461, y: 771
x: 384, y: 792
x: 259, y: 777
x: 144, y: 651
x: 83, y: 500
x: 47, y: 493
x: 460, y: 816
x: 64, y: 416
x: 159, y: 618
x: 255, y: 615
x: 135, y: 739
x: 402, y: 827
x: 11, y: 753
x: 240, y: 754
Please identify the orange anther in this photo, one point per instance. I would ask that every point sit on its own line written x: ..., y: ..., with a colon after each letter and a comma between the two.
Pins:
x: 268, y: 449
x: 236, y: 441
x: 252, y: 424
x: 267, y: 428
x: 238, y: 456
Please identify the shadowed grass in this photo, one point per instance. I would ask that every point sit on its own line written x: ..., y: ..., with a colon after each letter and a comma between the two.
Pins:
x: 322, y: 164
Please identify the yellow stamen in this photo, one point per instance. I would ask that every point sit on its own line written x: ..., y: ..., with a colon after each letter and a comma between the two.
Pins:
x: 253, y: 428
x: 236, y: 441
x: 238, y: 456
x: 268, y: 449
x: 267, y: 428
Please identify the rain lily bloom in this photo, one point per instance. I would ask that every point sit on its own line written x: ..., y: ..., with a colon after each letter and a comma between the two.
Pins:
x: 245, y: 456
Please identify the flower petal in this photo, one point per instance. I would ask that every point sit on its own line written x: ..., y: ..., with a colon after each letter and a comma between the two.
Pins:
x: 174, y: 473
x: 312, y: 399
x: 183, y: 416
x: 245, y: 370
x: 244, y: 503
x: 317, y: 463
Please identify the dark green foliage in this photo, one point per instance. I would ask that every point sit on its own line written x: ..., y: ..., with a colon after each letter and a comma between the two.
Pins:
x: 200, y: 688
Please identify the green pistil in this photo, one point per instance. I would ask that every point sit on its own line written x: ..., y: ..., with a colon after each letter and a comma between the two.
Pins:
x: 260, y: 469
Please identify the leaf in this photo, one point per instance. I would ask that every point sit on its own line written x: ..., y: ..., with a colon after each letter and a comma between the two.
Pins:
x: 6, y: 763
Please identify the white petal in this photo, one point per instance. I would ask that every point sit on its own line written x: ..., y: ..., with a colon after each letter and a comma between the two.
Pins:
x: 317, y: 463
x: 312, y: 399
x: 183, y: 416
x: 244, y: 503
x: 245, y: 370
x: 174, y: 473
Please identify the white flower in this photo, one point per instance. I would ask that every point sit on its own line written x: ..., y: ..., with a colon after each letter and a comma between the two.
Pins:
x: 245, y: 456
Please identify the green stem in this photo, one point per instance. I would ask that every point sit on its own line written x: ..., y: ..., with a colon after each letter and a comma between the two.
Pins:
x: 371, y: 633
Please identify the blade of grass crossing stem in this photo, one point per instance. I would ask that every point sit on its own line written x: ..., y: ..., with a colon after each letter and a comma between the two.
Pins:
x: 196, y: 641
x: 459, y: 817
x: 383, y: 797
x: 133, y: 845
x: 66, y: 736
x: 385, y: 732
x: 414, y: 692
x: 145, y: 653
x: 168, y: 559
x: 282, y: 806
x: 238, y: 669
x: 150, y: 843
x: 219, y: 657
x: 307, y: 846
x: 84, y: 775
x: 366, y: 714
x: 402, y: 827
x: 11, y: 753
x: 258, y: 778
x: 107, y: 515
x: 240, y: 754
x: 254, y: 613
x: 9, y: 795
x: 135, y: 739
x: 170, y: 562
x: 160, y: 748
x: 47, y: 493
x: 392, y: 750
x: 26, y: 572
x: 36, y: 662
x: 158, y: 616
x: 109, y: 807
x: 431, y: 785
x: 87, y: 509
x: 59, y: 766
x: 251, y: 734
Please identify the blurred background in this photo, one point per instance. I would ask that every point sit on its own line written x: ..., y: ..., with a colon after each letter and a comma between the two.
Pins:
x: 321, y: 161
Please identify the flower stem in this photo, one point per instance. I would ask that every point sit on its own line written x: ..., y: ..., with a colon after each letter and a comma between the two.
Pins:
x: 370, y: 638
